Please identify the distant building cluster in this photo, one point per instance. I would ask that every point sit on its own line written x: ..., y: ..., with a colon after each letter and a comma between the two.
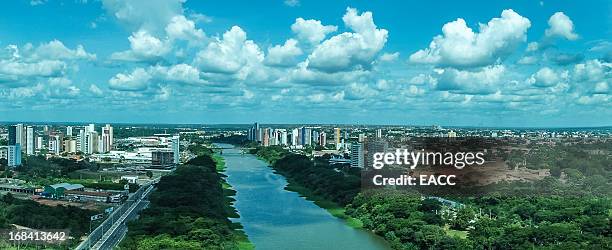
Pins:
x: 158, y: 151
x: 31, y: 140
x: 301, y: 137
x: 97, y: 144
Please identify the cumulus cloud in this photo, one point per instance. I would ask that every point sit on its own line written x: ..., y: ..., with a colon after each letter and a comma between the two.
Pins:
x: 14, y: 70
x: 311, y: 30
x: 547, y: 77
x: 137, y: 80
x: 481, y: 81
x: 182, y: 28
x: 25, y: 64
x: 230, y: 55
x: 151, y: 16
x: 283, y: 55
x: 95, y: 90
x: 562, y: 26
x: 143, y: 48
x: 56, y: 50
x: 527, y: 60
x: 350, y: 50
x: 389, y: 57
x: 180, y: 73
x: 460, y: 46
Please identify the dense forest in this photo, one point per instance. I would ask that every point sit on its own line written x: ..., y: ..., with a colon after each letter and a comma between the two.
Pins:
x: 187, y: 211
x: 537, y: 215
x: 323, y: 180
x: 408, y: 221
x: 31, y: 214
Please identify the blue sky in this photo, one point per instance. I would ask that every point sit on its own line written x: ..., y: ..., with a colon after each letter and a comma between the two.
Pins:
x: 470, y: 63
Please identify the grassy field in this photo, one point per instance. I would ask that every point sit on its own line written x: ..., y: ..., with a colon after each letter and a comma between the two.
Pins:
x: 455, y: 233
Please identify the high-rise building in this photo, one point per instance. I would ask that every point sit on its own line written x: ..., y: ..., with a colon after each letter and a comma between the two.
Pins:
x: 176, y: 144
x: 20, y: 137
x: 39, y: 142
x: 337, y: 137
x: 69, y: 131
x: 376, y: 145
x: 70, y: 146
x: 30, y: 141
x: 91, y: 142
x: 55, y: 144
x: 81, y: 142
x: 357, y: 155
x: 361, y: 137
x: 14, y: 145
x: 295, y: 137
x: 322, y: 139
x: 90, y: 128
x: 14, y: 155
x: 258, y: 132
x: 266, y: 137
x: 379, y: 133
x: 305, y: 136
x: 107, y: 138
x: 283, y: 137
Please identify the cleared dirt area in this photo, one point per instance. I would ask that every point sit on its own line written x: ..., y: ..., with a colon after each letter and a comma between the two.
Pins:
x: 83, y: 205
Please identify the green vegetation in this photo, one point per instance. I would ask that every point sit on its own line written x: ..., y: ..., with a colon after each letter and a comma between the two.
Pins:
x: 322, y: 180
x: 270, y: 154
x: 31, y: 214
x: 38, y: 168
x: 548, y: 218
x: 187, y: 211
x: 586, y: 164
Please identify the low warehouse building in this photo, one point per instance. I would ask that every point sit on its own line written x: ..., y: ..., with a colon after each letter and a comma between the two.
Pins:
x: 57, y: 191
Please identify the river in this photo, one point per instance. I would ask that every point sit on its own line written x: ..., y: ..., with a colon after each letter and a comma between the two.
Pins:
x: 274, y: 218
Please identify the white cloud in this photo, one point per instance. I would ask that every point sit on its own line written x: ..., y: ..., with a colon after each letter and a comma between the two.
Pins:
x: 95, y: 90
x: 136, y: 81
x: 149, y: 15
x: 180, y: 73
x: 602, y: 87
x: 230, y: 55
x: 562, y: 26
x: 143, y: 47
x: 55, y: 50
x: 527, y: 60
x: 349, y: 50
x: 421, y: 79
x: 311, y: 30
x: 459, y: 46
x: 284, y: 55
x: 37, y: 2
x: 389, y: 57
x: 200, y: 18
x: 182, y: 28
x: 14, y: 70
x: 292, y: 3
x: 591, y: 70
x: 301, y: 74
x: 532, y: 46
x: 547, y: 77
x: 485, y: 80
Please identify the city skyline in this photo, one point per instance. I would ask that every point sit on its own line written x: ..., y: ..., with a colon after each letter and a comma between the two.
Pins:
x: 504, y: 64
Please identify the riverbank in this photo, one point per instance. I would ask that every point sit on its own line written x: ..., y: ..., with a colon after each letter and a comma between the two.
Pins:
x: 331, y: 207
